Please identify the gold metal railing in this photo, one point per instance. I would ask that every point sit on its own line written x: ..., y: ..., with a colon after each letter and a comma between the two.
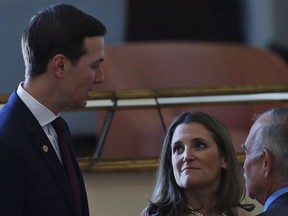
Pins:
x: 149, y: 98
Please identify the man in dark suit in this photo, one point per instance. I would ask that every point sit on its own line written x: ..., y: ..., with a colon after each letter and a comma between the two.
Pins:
x: 63, y: 49
x: 266, y: 163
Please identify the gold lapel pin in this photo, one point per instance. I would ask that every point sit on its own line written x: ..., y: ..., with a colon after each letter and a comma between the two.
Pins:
x: 45, y: 148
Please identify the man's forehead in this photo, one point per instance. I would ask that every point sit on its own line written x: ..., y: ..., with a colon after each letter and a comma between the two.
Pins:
x: 263, y: 119
x: 256, y: 127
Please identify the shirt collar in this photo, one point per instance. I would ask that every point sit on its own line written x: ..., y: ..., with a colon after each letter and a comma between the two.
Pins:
x: 274, y: 196
x: 41, y: 113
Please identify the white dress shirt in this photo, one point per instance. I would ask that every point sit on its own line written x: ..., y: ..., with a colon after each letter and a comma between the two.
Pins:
x: 43, y: 115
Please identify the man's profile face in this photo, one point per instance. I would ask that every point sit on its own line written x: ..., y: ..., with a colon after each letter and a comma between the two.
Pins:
x: 253, y: 164
x: 86, y: 74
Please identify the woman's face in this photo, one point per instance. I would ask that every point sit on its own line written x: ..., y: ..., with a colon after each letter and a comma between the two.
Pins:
x: 196, y: 159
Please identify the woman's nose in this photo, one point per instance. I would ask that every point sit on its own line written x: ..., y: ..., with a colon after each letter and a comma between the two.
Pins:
x: 188, y: 155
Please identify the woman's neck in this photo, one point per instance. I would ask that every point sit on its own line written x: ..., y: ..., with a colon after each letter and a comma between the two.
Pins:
x: 202, y: 201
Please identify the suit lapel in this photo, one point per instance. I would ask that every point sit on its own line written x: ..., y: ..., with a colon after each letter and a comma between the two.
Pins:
x: 281, y: 200
x: 279, y: 207
x: 55, y: 167
x: 44, y: 147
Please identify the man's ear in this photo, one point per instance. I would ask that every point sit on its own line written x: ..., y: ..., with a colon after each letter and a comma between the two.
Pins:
x: 58, y: 64
x: 267, y: 160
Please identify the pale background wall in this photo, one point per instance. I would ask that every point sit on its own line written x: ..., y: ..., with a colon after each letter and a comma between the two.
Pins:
x: 119, y: 193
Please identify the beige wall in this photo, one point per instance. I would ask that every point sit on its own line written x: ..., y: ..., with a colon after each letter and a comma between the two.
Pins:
x: 122, y: 193
x: 118, y: 194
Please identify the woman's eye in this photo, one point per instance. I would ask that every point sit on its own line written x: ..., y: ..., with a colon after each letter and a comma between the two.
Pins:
x: 200, y: 145
x: 178, y: 149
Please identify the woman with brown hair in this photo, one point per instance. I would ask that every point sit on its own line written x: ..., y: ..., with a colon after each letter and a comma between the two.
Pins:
x: 198, y: 172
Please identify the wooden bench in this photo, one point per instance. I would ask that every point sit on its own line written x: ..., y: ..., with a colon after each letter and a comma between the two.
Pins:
x: 138, y: 133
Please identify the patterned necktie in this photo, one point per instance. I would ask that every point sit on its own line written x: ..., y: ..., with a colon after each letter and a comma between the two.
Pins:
x: 67, y: 161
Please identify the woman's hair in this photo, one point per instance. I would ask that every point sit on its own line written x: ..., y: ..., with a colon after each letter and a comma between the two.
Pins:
x: 273, y: 136
x: 58, y: 29
x: 168, y: 198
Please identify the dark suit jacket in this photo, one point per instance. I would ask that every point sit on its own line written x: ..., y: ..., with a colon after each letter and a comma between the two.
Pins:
x: 279, y: 207
x: 32, y: 181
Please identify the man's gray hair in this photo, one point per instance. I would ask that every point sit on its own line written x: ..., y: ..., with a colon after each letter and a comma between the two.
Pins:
x: 273, y: 136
